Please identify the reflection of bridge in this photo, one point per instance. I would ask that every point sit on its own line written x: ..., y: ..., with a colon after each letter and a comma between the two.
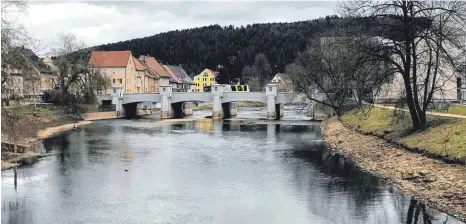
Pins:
x: 175, y: 104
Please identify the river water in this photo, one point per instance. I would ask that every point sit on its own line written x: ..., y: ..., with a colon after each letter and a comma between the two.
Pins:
x: 201, y: 171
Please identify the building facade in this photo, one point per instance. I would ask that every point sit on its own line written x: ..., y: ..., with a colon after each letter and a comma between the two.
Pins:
x: 205, y: 78
x: 158, y: 75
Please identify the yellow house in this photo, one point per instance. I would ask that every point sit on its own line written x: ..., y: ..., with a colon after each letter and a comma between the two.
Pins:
x: 205, y: 78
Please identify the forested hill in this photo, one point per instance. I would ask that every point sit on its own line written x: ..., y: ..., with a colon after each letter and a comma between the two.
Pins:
x: 232, y: 47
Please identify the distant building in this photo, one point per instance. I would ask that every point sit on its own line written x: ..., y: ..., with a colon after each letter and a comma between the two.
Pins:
x: 205, y: 78
x: 155, y: 70
x: 186, y: 83
x: 284, y: 81
x: 28, y: 75
x: 174, y: 81
x: 119, y: 67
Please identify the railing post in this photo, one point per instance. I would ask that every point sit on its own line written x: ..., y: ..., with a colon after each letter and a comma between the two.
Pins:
x: 165, y: 101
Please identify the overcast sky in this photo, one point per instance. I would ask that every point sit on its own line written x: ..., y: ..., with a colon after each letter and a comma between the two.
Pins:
x: 100, y: 22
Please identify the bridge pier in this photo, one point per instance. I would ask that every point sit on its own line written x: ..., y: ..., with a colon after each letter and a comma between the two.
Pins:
x: 117, y: 99
x: 217, y: 108
x: 273, y: 109
x: 166, y: 94
x: 233, y: 109
x: 187, y: 108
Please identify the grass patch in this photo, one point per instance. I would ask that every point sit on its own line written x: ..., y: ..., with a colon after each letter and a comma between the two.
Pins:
x: 203, y: 107
x: 249, y: 104
x: 457, y: 109
x: 443, y: 137
x: 32, y: 119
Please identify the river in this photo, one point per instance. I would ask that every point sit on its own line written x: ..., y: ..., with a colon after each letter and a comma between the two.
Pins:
x: 201, y: 171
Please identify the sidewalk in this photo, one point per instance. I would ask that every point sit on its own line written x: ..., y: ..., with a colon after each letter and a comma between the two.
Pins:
x: 429, y: 113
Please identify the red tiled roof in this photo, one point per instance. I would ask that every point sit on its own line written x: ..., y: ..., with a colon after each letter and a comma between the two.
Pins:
x: 150, y: 72
x: 154, y: 65
x: 139, y: 66
x: 109, y: 58
x: 171, y: 73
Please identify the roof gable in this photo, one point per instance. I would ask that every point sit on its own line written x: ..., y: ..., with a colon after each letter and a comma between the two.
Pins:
x: 172, y: 75
x: 27, y: 57
x: 180, y: 74
x: 152, y: 63
x: 101, y: 59
x: 139, y: 66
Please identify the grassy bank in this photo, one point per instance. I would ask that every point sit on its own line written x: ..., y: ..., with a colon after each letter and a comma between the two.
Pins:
x: 441, y: 185
x: 30, y: 121
x: 443, y: 137
x: 203, y: 107
x: 457, y: 109
x: 249, y: 104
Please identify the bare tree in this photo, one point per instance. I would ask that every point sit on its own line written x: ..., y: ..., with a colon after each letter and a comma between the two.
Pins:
x: 338, y: 68
x: 423, y: 41
x: 14, y: 70
x: 73, y: 72
x: 13, y: 35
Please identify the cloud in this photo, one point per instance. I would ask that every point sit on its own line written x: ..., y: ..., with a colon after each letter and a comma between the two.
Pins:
x: 102, y: 22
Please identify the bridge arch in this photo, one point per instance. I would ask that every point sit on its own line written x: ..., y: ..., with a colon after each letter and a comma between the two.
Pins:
x: 229, y: 97
x: 178, y: 97
x: 141, y: 97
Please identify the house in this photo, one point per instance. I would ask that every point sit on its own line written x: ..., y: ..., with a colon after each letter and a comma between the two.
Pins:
x: 119, y: 67
x: 284, y: 81
x: 160, y: 76
x: 448, y: 84
x: 205, y: 78
x: 142, y: 79
x: 29, y: 76
x: 174, y: 81
x: 187, y: 84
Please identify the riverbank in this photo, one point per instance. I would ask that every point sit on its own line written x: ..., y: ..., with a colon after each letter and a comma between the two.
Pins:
x: 443, y: 137
x: 33, y: 125
x: 441, y: 185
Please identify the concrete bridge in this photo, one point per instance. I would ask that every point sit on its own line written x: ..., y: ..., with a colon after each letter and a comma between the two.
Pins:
x: 178, y: 104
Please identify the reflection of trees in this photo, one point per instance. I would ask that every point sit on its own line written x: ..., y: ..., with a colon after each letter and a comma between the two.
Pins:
x: 58, y: 143
x: 417, y: 212
x: 334, y: 175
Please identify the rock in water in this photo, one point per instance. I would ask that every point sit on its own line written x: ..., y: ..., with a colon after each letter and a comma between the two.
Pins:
x: 126, y: 169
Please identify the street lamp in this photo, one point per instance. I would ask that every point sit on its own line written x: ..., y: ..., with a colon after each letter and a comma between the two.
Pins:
x: 228, y: 73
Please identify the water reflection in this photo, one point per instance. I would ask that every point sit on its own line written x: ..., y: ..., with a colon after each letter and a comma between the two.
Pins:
x: 203, y: 171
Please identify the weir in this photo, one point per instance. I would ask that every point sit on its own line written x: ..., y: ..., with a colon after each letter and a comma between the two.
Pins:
x: 179, y: 104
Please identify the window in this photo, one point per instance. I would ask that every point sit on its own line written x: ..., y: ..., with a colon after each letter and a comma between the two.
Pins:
x: 104, y: 70
x: 114, y: 70
x: 113, y: 80
x: 121, y: 80
x: 114, y: 90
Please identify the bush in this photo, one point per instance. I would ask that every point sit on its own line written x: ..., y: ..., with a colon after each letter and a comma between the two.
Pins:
x: 52, y: 96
